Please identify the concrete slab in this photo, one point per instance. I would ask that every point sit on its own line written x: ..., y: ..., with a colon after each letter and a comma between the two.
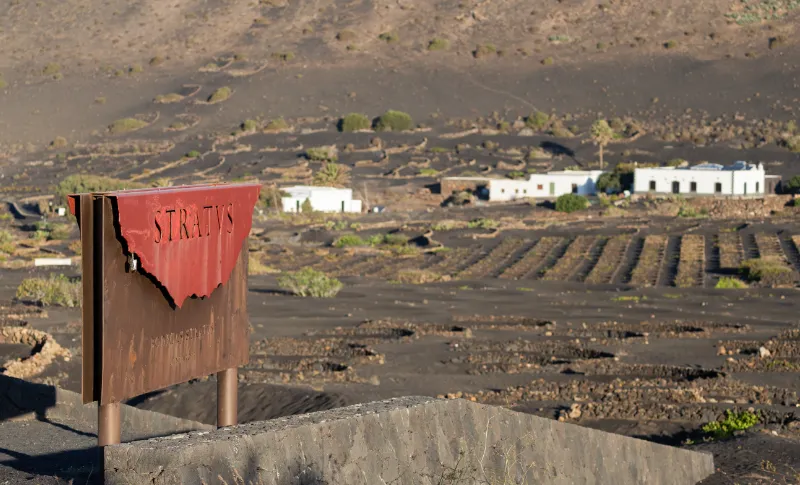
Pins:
x: 412, y: 440
x: 47, y: 432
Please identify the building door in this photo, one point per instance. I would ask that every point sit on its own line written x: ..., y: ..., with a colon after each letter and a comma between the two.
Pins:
x: 298, y: 205
x: 652, y: 185
x: 758, y: 186
x: 552, y: 188
x: 717, y: 188
x: 342, y: 206
x: 693, y: 187
x: 676, y: 187
x: 745, y: 188
x: 574, y: 188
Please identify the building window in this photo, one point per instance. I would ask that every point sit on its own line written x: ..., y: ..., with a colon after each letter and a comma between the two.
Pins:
x: 693, y: 187
x: 745, y: 188
x: 502, y: 191
x: 676, y: 187
x: 539, y: 187
x: 758, y: 187
x: 653, y: 185
x: 524, y: 191
x: 717, y: 188
x: 516, y: 191
x: 574, y: 188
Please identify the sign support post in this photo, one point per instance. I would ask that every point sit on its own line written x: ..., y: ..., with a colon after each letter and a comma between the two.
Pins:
x: 227, y: 397
x: 164, y: 275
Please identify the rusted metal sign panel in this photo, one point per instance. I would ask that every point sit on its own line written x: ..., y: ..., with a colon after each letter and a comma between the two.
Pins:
x: 141, y: 327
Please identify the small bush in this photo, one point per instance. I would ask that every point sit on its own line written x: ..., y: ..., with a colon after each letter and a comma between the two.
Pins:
x: 283, y: 56
x: 332, y: 174
x: 156, y: 61
x: 56, y: 290
x: 309, y: 282
x: 393, y: 121
x: 767, y: 271
x: 728, y: 283
x: 571, y: 202
x: 306, y: 207
x: 220, y: 95
x: 438, y: 44
x: 3, y: 83
x: 249, y: 125
x: 482, y: 223
x: 516, y: 175
x: 537, y: 120
x: 428, y: 172
x: 691, y: 212
x: 270, y: 197
x: 350, y: 240
x: 484, y: 50
x: 354, y: 122
x: 126, y: 125
x: 346, y: 35
x: 51, y: 69
x: 417, y: 277
x: 168, y: 98
x: 670, y: 44
x: 277, y: 124
x: 59, y: 232
x: 322, y: 154
x: 256, y: 267
x: 609, y: 182
x: 389, y: 37
x: 84, y: 183
x: 135, y: 69
x: 548, y: 61
x: 734, y: 421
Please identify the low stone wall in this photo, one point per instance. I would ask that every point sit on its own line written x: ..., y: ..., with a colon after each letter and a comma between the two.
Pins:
x: 448, y: 186
x: 741, y: 207
x: 409, y: 440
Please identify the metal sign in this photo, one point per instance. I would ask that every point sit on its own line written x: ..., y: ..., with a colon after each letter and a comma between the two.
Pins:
x: 164, y: 287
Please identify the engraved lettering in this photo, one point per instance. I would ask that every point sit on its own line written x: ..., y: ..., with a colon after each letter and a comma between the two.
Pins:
x: 207, y: 210
x: 159, y: 233
x: 220, y: 215
x: 230, y: 217
x: 182, y: 229
x: 170, y: 212
x: 196, y: 225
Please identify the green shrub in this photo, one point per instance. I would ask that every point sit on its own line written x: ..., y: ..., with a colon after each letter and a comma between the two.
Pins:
x: 734, y: 421
x: 56, y: 290
x: 728, y: 283
x: 516, y: 175
x: 51, y: 69
x: 350, y: 240
x: 59, y: 232
x: 482, y: 223
x: 609, y: 182
x: 438, y: 44
x: 691, y: 212
x: 283, y: 56
x: 354, y: 122
x: 793, y: 185
x: 548, y: 61
x: 428, y: 172
x: 84, y: 183
x: 484, y: 50
x: 309, y: 282
x: 670, y: 44
x: 126, y: 125
x: 537, y: 120
x: 331, y: 174
x: 321, y: 154
x: 394, y: 121
x: 571, y: 203
x: 249, y: 125
x: 277, y: 124
x: 388, y: 239
x: 770, y: 271
x: 257, y: 267
x: 270, y: 197
x: 3, y: 83
x: 220, y: 95
x: 306, y: 207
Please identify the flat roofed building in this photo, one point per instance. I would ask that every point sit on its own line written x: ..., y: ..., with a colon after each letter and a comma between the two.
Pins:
x: 545, y: 185
x: 322, y: 199
x: 740, y: 178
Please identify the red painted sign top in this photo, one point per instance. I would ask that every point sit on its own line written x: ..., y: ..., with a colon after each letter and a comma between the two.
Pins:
x: 187, y: 238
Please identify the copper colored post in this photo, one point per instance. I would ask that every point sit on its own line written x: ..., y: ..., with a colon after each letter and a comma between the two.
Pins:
x: 227, y: 397
x: 108, y: 424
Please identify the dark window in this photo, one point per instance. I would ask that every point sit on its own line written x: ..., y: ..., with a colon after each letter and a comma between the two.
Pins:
x: 676, y: 187
x: 693, y: 187
x: 574, y: 188
x: 502, y: 191
x: 653, y: 185
x: 758, y: 187
x: 524, y: 191
x: 717, y: 188
x: 745, y: 188
x: 516, y: 191
x: 342, y: 206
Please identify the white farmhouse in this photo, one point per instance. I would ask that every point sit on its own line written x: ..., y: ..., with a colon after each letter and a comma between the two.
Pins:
x: 323, y: 199
x: 550, y: 184
x: 741, y: 178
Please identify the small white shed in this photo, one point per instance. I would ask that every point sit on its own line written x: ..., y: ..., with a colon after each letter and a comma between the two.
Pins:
x: 550, y: 184
x: 323, y: 199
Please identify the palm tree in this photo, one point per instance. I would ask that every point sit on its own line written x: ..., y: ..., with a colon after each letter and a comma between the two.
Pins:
x: 602, y: 134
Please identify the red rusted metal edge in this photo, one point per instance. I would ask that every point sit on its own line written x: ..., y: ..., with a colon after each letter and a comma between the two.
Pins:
x: 72, y: 199
x: 187, y: 238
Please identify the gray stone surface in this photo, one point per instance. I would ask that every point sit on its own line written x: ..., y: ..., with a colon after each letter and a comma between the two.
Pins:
x: 409, y: 440
x: 46, y: 432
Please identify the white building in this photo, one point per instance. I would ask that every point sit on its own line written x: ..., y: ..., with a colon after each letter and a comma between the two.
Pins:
x: 323, y: 199
x: 550, y: 184
x: 741, y: 178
